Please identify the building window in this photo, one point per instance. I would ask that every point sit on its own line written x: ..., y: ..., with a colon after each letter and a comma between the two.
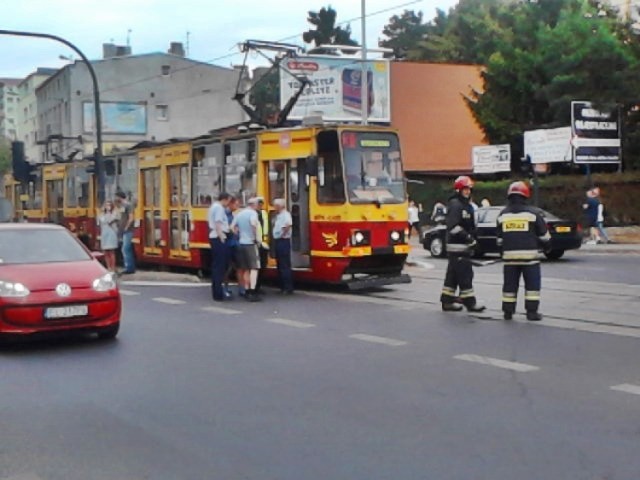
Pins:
x: 166, y: 70
x: 162, y: 112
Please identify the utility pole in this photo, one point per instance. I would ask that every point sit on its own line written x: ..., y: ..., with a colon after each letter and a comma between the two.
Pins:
x: 364, y: 78
x: 97, y: 155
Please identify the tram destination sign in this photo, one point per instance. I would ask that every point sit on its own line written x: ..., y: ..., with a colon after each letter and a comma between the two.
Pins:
x: 595, y: 134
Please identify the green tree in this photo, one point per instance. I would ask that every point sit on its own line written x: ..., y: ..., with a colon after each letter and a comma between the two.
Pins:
x: 265, y: 96
x: 326, y: 32
x: 403, y: 32
x: 5, y: 156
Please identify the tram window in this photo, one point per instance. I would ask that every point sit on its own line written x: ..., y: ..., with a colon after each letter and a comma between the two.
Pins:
x: 294, y: 181
x: 276, y: 180
x: 240, y: 179
x: 330, y: 177
x: 71, y: 197
x: 207, y: 163
x: 127, y: 178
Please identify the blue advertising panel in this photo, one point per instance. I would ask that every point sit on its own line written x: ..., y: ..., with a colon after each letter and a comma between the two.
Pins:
x: 117, y: 117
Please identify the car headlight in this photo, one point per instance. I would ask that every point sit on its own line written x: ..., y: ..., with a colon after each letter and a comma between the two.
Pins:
x: 395, y: 236
x: 360, y: 237
x: 105, y: 283
x: 13, y: 289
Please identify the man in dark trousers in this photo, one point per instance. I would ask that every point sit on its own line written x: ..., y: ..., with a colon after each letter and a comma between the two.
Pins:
x: 218, y: 232
x: 263, y: 248
x: 460, y: 240
x: 521, y: 233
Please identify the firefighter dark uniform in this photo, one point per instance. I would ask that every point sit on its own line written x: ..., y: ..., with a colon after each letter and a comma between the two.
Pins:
x: 460, y: 241
x: 521, y: 233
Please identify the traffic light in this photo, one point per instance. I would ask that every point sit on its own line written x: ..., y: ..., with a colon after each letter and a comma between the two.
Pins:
x: 21, y: 168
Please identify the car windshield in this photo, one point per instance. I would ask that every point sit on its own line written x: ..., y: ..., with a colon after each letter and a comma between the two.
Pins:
x: 39, y: 246
x: 373, y: 167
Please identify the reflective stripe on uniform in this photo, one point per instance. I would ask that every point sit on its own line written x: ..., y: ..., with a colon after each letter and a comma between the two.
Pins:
x: 457, y: 247
x: 521, y: 262
x: 467, y: 293
x: 508, y: 297
x: 532, y: 295
x: 449, y: 291
x: 526, y: 216
x: 520, y: 254
x: 456, y: 229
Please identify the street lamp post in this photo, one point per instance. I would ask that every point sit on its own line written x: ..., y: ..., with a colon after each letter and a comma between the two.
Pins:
x: 99, y: 162
x: 364, y: 78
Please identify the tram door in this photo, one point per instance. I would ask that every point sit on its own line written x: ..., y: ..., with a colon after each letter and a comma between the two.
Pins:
x: 179, y: 223
x: 54, y: 189
x: 151, y: 211
x: 286, y: 180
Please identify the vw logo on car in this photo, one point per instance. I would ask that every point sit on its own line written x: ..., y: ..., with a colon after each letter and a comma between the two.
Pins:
x: 63, y: 290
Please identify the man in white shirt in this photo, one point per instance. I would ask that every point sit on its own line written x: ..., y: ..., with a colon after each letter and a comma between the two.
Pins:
x: 282, y: 238
x: 220, y: 254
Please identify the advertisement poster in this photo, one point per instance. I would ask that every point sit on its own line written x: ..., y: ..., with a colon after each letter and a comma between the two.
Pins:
x: 595, y: 134
x: 491, y: 158
x: 335, y: 89
x: 117, y: 117
x: 548, y: 145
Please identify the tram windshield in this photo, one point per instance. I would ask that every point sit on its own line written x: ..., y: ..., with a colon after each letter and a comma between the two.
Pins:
x: 373, y: 167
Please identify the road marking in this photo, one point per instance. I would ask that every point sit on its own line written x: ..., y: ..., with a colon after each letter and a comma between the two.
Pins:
x: 582, y: 326
x: 375, y: 339
x: 290, y: 323
x: 128, y: 293
x: 627, y: 388
x: 168, y: 301
x: 496, y: 362
x: 228, y: 311
x: 159, y: 283
x: 23, y: 476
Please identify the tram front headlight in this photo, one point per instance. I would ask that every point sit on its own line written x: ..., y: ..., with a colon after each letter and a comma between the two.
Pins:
x: 396, y: 236
x: 360, y: 237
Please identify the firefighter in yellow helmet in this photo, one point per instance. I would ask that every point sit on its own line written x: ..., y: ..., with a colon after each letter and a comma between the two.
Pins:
x: 521, y: 232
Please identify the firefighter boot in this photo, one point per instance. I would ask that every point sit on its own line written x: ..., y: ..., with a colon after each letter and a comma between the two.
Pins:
x: 476, y: 308
x: 534, y: 316
x: 451, y: 307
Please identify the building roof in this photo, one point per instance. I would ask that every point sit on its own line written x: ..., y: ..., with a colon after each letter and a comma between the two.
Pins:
x: 42, y: 71
x: 12, y: 82
x: 428, y: 107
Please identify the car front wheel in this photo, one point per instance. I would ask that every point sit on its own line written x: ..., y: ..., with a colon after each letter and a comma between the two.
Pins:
x: 437, y: 247
x: 554, y: 254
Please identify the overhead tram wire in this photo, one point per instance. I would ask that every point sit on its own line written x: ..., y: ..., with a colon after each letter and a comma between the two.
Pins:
x: 234, y: 54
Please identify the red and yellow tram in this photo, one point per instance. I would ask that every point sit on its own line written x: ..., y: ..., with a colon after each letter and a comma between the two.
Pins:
x: 344, y: 186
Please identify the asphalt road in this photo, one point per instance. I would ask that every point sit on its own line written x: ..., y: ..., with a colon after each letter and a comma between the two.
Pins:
x: 324, y: 385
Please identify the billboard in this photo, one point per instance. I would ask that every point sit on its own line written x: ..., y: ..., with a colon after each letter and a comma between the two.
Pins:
x: 595, y: 134
x: 491, y: 158
x: 548, y: 145
x: 117, y: 117
x: 335, y: 91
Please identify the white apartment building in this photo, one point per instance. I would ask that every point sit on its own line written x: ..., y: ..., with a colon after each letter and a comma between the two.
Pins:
x: 153, y: 96
x: 9, y: 100
x: 27, y: 114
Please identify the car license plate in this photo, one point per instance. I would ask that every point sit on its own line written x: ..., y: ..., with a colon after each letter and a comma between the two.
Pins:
x: 68, y: 311
x: 563, y: 229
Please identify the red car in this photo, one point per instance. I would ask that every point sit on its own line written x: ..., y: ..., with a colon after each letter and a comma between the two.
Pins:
x: 50, y: 283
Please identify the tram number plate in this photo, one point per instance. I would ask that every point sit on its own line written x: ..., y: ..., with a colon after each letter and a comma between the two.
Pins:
x: 563, y: 229
x: 69, y: 311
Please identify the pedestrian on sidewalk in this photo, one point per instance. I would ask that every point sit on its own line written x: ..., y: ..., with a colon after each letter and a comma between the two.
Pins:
x: 460, y: 238
x: 590, y: 208
x: 126, y: 232
x: 414, y: 218
x: 108, y: 221
x: 232, y: 244
x: 521, y: 233
x: 600, y: 218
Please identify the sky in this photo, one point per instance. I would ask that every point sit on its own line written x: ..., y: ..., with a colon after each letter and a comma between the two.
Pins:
x: 215, y: 27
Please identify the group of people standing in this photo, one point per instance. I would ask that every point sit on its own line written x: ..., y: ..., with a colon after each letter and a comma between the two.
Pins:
x: 116, y: 222
x: 239, y: 243
x: 522, y: 233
